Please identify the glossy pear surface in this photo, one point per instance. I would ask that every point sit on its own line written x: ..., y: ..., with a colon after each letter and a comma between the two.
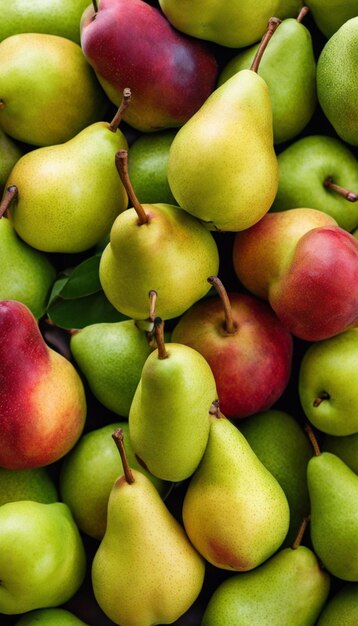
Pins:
x: 306, y: 266
x: 69, y: 194
x: 34, y: 484
x: 344, y: 447
x: 27, y: 275
x: 145, y: 570
x: 327, y: 384
x: 234, y: 512
x: 10, y: 152
x: 133, y: 262
x: 330, y: 15
x: 333, y: 489
x: 337, y: 86
x: 111, y: 357
x: 59, y: 94
x: 222, y: 166
x: 42, y: 558
x: 88, y: 473
x: 280, y: 443
x: 169, y: 416
x: 42, y: 399
x: 303, y: 169
x: 289, y: 69
x: 128, y: 44
x: 290, y: 588
x: 342, y: 607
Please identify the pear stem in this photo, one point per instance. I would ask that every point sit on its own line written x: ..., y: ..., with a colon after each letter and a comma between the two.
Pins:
x: 215, y: 409
x: 324, y: 396
x: 118, y: 438
x: 230, y: 326
x: 301, y: 532
x: 273, y: 23
x: 126, y: 98
x: 95, y: 6
x: 121, y: 160
x: 152, y: 304
x: 302, y: 14
x: 10, y: 194
x: 2, y: 104
x: 351, y: 196
x: 159, y: 338
x: 313, y: 440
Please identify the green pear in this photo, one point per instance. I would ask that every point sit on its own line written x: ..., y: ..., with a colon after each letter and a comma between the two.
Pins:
x: 280, y: 443
x: 289, y: 69
x: 222, y: 166
x: 171, y: 253
x: 10, y: 152
x: 42, y: 558
x: 145, y: 570
x: 48, y: 91
x: 111, y: 357
x: 68, y: 195
x: 60, y: 17
x: 34, y: 484
x: 148, y: 165
x: 169, y: 416
x: 344, y: 447
x: 50, y: 617
x: 310, y: 170
x: 330, y: 15
x: 86, y: 491
x: 337, y: 86
x: 233, y: 24
x: 327, y: 384
x: 342, y: 608
x: 333, y: 489
x: 235, y: 512
x: 289, y: 589
x: 26, y: 274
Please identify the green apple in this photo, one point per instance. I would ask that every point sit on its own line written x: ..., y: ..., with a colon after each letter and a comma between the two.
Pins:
x: 42, y: 557
x: 327, y: 385
x: 88, y: 473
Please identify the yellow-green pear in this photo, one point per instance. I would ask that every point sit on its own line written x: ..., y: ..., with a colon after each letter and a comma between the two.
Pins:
x: 222, y: 166
x: 145, y: 570
x: 48, y: 91
x: 169, y: 417
x: 234, y: 512
x: 65, y: 198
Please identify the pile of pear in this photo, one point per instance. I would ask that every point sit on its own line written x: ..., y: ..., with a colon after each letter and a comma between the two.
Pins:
x: 195, y: 461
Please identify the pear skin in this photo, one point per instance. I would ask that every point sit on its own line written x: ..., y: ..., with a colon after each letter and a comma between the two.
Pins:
x: 235, y: 512
x: 145, y: 570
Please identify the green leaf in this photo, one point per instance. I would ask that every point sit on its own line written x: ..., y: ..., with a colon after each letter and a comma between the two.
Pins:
x: 83, y: 280
x: 80, y: 312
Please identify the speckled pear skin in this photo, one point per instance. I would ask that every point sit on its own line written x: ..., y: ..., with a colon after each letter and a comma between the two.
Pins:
x: 342, y: 607
x: 69, y: 194
x: 145, y: 570
x: 333, y: 489
x: 50, y: 617
x: 234, y: 512
x: 42, y: 399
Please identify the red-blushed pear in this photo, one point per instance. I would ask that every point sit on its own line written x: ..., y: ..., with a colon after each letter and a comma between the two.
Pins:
x: 306, y: 266
x: 42, y: 399
x: 247, y: 347
x: 132, y: 43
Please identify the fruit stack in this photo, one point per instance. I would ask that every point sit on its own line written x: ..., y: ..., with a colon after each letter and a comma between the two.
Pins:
x: 179, y: 313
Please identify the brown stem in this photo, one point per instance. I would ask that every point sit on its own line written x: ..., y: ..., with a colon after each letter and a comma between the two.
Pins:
x: 159, y: 338
x: 215, y: 409
x: 230, y: 326
x: 273, y: 23
x: 351, y: 196
x: 301, y: 532
x: 313, y: 440
x: 323, y: 396
x: 2, y: 104
x: 302, y: 14
x: 10, y: 194
x: 95, y: 6
x: 121, y: 160
x: 152, y: 303
x: 118, y: 438
x: 126, y: 98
